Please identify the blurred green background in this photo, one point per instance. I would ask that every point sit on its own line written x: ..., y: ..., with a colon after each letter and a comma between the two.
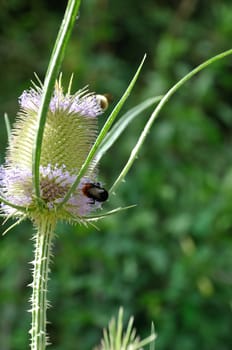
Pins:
x: 169, y: 259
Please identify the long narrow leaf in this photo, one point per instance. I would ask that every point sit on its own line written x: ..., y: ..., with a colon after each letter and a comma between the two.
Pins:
x: 155, y: 114
x: 51, y: 75
x: 121, y: 125
x: 103, y: 133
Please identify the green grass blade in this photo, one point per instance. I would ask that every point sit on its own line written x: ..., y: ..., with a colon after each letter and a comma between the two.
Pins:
x: 103, y: 133
x: 121, y: 125
x: 155, y: 114
x: 50, y: 78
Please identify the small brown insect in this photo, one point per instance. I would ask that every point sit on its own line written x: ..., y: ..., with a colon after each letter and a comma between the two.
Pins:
x: 95, y: 192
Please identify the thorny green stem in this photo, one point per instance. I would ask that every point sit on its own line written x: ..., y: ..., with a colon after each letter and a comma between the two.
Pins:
x: 39, y: 303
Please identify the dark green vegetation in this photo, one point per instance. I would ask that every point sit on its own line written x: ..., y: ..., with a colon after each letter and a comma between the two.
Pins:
x: 169, y: 259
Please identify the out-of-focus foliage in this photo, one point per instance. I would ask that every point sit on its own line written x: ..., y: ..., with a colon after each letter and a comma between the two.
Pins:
x: 169, y: 259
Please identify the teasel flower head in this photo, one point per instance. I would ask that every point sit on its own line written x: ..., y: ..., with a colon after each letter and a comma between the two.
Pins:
x: 69, y: 133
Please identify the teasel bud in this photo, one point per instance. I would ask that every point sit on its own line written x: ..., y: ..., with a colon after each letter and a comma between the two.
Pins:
x: 70, y: 131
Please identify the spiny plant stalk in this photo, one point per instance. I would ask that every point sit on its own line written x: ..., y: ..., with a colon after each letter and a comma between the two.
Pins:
x: 69, y: 133
x: 51, y: 170
x: 39, y: 304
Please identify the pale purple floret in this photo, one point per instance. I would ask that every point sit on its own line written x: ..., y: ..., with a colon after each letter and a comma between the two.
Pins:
x: 83, y: 103
x: 11, y: 180
x: 16, y: 187
x: 30, y: 99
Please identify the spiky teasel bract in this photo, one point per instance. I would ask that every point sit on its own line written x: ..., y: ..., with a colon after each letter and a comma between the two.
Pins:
x: 69, y: 133
x: 116, y: 338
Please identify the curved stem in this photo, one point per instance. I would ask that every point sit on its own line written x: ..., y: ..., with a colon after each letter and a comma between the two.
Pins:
x: 43, y: 245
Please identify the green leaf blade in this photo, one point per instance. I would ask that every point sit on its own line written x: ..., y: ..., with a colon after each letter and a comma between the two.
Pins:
x: 155, y: 114
x: 50, y: 78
